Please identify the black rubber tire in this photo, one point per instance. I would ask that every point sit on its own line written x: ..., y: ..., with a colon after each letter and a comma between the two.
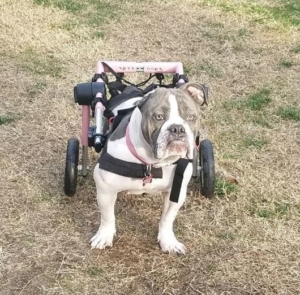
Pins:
x: 207, y: 172
x: 71, y: 170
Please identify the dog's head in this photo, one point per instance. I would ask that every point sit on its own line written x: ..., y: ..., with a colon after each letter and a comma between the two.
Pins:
x: 171, y: 118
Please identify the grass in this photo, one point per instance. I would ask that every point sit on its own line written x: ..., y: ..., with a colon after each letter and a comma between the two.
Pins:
x: 188, y: 69
x: 224, y: 188
x: 296, y: 49
x: 226, y: 236
x: 280, y: 12
x: 41, y: 65
x: 210, y: 69
x: 91, y: 14
x: 255, y: 102
x: 215, y: 25
x: 94, y: 271
x: 218, y: 32
x: 286, y: 63
x: 289, y: 113
x: 251, y: 141
x: 6, y: 119
x: 98, y: 34
x: 261, y: 120
x: 243, y: 241
x: 242, y: 32
x: 45, y: 197
x: 258, y: 100
x: 269, y: 210
x: 69, y: 5
x: 35, y: 89
x: 30, y: 240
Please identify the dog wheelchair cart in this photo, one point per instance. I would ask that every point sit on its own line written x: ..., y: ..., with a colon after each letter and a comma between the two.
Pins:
x: 93, y: 98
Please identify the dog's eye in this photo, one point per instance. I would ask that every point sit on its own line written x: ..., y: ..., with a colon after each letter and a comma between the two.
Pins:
x: 191, y: 117
x: 158, y: 117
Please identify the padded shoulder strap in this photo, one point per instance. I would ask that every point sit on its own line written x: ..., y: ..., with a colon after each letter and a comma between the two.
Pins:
x: 178, y: 177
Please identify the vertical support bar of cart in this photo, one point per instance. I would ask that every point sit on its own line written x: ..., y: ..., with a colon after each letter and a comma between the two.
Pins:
x: 195, y: 163
x: 84, y: 137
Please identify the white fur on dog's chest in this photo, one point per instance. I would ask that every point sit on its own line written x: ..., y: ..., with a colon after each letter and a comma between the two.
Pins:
x: 157, y: 185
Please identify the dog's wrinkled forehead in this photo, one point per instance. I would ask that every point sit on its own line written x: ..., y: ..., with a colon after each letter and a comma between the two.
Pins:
x: 160, y: 100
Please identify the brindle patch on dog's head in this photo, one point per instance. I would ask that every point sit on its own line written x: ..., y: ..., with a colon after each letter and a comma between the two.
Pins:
x: 152, y: 105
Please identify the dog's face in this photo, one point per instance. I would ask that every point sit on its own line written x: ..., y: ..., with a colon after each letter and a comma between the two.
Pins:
x: 170, y: 120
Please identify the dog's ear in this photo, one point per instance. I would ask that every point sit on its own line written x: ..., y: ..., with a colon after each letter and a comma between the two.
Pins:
x: 197, y: 91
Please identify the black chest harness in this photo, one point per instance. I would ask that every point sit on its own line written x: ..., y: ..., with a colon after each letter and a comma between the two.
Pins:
x: 144, y: 172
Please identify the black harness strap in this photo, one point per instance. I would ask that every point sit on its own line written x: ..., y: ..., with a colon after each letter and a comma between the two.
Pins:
x: 139, y: 171
x: 120, y: 116
x: 121, y: 98
x: 178, y: 177
x: 127, y: 169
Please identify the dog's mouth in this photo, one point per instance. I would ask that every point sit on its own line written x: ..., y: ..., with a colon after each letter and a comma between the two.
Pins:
x: 180, y: 142
x: 177, y: 148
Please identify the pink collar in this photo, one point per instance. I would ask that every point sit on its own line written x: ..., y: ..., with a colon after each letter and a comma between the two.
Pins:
x: 148, y: 175
x: 132, y: 148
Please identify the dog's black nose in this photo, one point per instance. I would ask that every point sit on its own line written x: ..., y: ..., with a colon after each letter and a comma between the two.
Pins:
x: 177, y: 130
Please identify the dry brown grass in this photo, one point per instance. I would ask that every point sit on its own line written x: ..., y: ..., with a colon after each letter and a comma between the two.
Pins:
x: 245, y: 241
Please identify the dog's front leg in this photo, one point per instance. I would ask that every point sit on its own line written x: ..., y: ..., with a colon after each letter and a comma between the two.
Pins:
x: 166, y: 236
x: 106, y: 201
x: 104, y: 236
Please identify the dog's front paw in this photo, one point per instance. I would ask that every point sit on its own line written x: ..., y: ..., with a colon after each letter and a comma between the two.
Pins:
x: 103, y: 238
x: 170, y: 244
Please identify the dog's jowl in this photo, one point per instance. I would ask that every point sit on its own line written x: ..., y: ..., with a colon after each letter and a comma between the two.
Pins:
x: 142, y: 154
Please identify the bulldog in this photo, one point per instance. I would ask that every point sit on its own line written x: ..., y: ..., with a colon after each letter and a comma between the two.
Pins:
x: 159, y: 131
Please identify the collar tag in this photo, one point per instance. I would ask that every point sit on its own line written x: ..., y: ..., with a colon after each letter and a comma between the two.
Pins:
x: 148, y: 175
x: 147, y: 179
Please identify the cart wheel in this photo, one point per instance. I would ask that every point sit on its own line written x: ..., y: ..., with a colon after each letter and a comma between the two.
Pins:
x: 207, y: 172
x: 71, y: 167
